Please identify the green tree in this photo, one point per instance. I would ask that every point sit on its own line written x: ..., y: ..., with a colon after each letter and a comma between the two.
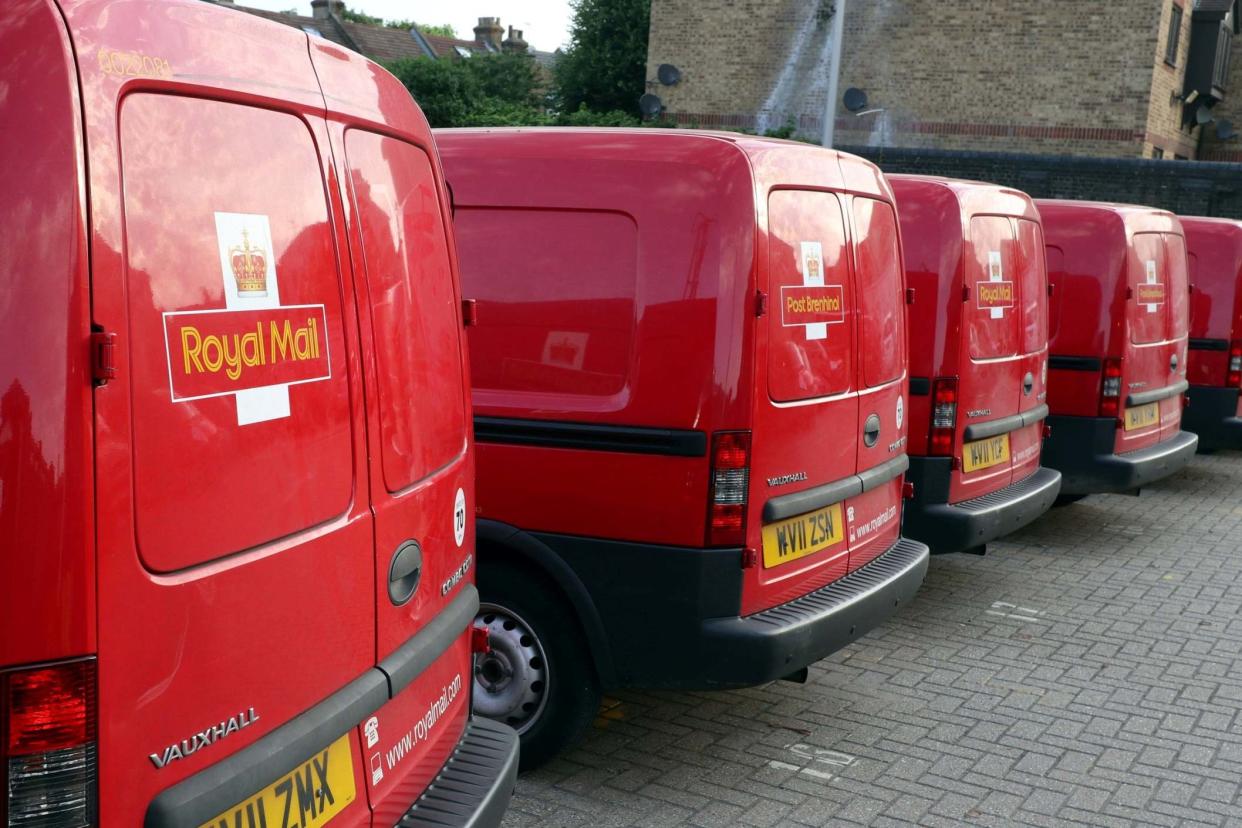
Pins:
x: 441, y: 29
x: 491, y: 90
x: 605, y: 66
x: 360, y: 17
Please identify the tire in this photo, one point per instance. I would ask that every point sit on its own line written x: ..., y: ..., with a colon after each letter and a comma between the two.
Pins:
x: 1067, y: 499
x: 538, y: 677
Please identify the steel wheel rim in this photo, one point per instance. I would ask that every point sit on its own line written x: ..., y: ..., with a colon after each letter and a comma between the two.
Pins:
x: 511, y: 681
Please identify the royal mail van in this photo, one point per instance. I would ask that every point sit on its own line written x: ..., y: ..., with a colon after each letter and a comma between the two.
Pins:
x: 1118, y: 321
x: 978, y: 336
x: 1214, y: 368
x: 689, y: 376
x: 236, y: 581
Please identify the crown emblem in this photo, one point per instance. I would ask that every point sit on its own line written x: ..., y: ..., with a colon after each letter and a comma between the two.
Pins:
x: 249, y: 264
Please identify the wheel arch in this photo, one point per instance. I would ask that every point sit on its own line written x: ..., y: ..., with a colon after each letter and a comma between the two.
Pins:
x: 496, y: 540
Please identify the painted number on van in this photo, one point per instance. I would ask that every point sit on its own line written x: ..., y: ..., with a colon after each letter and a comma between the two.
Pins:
x: 133, y: 64
x: 254, y: 348
x: 1151, y: 292
x: 996, y: 294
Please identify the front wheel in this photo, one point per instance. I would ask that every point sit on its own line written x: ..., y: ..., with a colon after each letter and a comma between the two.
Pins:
x: 538, y: 677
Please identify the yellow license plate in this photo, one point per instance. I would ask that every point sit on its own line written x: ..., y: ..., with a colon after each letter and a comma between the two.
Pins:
x: 309, y: 796
x: 982, y: 454
x: 797, y: 537
x: 1142, y: 416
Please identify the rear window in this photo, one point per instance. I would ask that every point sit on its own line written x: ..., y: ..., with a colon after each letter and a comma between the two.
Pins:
x: 1149, y: 289
x: 880, y: 296
x: 810, y: 328
x: 413, y: 307
x: 1032, y: 286
x: 556, y: 298
x: 992, y: 284
x: 1179, y: 294
x: 241, y: 425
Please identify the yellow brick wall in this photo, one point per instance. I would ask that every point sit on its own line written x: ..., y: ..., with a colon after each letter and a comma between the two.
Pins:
x: 1164, y: 115
x: 1055, y: 76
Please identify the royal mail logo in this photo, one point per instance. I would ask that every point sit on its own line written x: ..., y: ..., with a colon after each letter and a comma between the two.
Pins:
x: 254, y: 347
x: 1151, y: 294
x: 994, y: 295
x: 812, y: 305
x: 249, y: 266
x: 213, y: 353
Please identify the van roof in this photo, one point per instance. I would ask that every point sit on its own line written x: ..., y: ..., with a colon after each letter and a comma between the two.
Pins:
x: 1135, y: 218
x: 976, y: 197
x: 769, y: 157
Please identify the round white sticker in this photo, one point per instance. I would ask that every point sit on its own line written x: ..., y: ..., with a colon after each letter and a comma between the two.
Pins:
x: 901, y: 412
x: 459, y: 518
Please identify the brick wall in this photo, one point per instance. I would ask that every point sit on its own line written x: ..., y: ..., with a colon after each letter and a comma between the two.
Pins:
x: 1183, y: 187
x: 1056, y: 76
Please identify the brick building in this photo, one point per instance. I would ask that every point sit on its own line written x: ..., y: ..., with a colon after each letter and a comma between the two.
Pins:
x: 1105, y: 79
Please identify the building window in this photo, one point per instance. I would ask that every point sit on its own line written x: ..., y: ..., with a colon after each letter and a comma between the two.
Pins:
x: 1224, y: 51
x: 1157, y: 153
x: 1175, y: 34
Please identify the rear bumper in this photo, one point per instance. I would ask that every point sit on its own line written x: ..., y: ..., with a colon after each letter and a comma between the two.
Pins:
x: 1213, y: 415
x: 952, y: 527
x: 670, y: 617
x: 473, y: 788
x: 1081, y: 448
x: 778, y: 641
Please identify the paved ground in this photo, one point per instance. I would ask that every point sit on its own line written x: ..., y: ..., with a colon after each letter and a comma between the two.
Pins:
x: 1088, y: 670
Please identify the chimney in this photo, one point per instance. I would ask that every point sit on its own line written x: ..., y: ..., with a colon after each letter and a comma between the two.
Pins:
x: 514, y: 44
x: 489, y: 33
x: 323, y: 9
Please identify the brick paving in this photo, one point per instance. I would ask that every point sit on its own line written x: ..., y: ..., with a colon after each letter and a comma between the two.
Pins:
x: 1088, y: 671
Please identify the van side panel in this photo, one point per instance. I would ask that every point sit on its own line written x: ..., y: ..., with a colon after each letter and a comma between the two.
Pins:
x: 1215, y: 254
x: 47, y: 567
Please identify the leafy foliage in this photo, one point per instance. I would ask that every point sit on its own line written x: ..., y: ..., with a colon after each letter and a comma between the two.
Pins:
x: 485, y: 90
x: 441, y: 29
x: 605, y: 66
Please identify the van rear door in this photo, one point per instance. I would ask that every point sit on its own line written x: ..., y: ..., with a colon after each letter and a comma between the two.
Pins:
x: 806, y: 404
x: 1152, y: 275
x: 873, y: 518
x: 989, y: 366
x: 1032, y: 372
x: 235, y: 566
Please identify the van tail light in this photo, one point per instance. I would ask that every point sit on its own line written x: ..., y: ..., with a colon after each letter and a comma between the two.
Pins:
x: 1110, y: 390
x: 1234, y: 380
x: 944, y: 416
x: 47, y: 745
x: 730, y: 482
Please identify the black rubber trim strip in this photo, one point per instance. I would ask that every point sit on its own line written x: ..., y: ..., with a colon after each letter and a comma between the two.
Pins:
x: 214, y: 790
x: 1156, y: 394
x: 1004, y: 425
x: 798, y: 503
x: 409, y: 660
x: 920, y: 386
x: 1209, y: 344
x: 591, y: 436
x: 474, y: 786
x: 1075, y: 363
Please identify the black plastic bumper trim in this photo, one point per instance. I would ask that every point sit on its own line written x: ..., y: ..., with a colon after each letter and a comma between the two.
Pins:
x: 1082, y: 449
x: 953, y: 527
x: 1004, y: 425
x: 591, y: 436
x: 473, y: 788
x: 1209, y: 344
x: 799, y: 503
x: 1213, y: 415
x: 1075, y: 363
x: 213, y: 790
x: 1156, y: 394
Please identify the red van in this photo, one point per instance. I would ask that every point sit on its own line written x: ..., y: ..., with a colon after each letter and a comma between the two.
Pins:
x: 978, y: 351
x: 236, y: 585
x: 1214, y: 371
x: 1118, y: 322
x: 689, y: 376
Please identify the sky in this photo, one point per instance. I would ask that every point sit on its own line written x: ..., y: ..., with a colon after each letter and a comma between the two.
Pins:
x: 544, y: 23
